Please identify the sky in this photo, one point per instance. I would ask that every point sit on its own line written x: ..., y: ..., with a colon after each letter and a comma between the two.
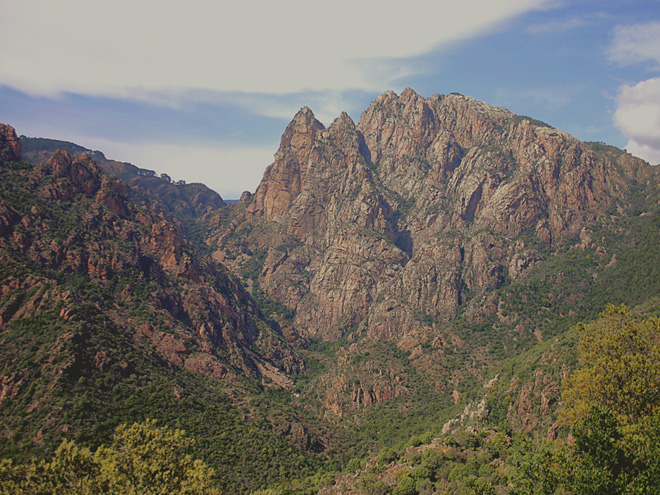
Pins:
x: 202, y: 91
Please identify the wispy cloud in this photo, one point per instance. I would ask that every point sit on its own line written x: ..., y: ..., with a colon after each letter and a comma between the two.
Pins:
x: 155, y: 51
x: 636, y: 44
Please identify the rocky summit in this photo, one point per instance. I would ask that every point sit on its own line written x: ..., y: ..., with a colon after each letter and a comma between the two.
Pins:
x: 418, y: 203
x: 10, y: 146
x: 413, y: 224
x: 417, y: 270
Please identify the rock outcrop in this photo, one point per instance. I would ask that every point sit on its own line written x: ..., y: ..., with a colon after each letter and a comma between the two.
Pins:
x: 184, y: 201
x: 87, y: 224
x: 10, y: 145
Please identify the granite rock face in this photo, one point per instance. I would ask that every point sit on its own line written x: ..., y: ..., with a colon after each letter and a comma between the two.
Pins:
x: 393, y: 226
x: 367, y: 225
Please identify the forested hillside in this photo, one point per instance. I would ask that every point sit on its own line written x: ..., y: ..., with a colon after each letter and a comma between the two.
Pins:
x: 111, y: 314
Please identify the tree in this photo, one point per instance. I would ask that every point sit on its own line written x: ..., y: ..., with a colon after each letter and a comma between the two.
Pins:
x: 146, y: 459
x: 620, y: 368
x: 406, y: 486
x: 72, y: 470
x: 538, y: 463
x: 612, y: 404
x: 143, y: 459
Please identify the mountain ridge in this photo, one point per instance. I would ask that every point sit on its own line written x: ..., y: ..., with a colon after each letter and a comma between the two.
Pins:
x: 380, y: 274
x: 483, y: 198
x: 109, y: 312
x: 397, y: 226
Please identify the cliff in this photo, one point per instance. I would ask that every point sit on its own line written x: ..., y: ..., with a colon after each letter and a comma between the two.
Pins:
x: 404, y: 226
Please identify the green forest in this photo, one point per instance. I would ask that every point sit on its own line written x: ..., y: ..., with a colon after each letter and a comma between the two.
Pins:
x: 609, y: 442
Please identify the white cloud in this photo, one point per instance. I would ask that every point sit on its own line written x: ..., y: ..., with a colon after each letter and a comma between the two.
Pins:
x: 649, y: 153
x: 638, y: 105
x: 636, y: 44
x: 638, y: 118
x: 261, y: 54
x: 133, y: 49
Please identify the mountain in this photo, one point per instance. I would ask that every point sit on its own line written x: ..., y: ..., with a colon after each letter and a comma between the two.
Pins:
x: 416, y: 271
x: 183, y: 200
x: 432, y: 239
x: 110, y: 313
x: 437, y: 196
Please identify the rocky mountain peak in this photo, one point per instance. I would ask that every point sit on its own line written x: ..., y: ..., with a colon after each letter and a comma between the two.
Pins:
x: 408, y: 95
x: 387, y: 96
x: 10, y: 145
x: 437, y: 186
x: 301, y: 160
x: 344, y: 121
x: 300, y: 134
x: 304, y: 126
x: 304, y: 114
x: 283, y: 179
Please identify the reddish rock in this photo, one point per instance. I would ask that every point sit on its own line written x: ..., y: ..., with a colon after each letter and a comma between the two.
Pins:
x: 398, y: 215
x: 10, y: 145
x: 393, y: 226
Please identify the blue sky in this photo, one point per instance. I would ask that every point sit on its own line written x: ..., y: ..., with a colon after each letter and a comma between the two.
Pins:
x: 203, y: 90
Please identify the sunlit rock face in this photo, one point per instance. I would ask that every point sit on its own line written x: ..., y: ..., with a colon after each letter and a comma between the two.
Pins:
x: 368, y: 225
x: 388, y: 229
x: 10, y: 145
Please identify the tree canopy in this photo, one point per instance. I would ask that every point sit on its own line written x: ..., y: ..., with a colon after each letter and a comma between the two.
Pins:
x: 143, y: 458
x: 612, y: 406
x: 620, y: 368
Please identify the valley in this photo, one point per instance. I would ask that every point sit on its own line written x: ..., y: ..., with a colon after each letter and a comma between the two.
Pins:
x: 412, y: 279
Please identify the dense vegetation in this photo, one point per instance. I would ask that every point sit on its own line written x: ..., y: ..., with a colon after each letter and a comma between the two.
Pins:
x: 611, y: 410
x: 76, y: 291
x: 142, y: 459
x: 30, y: 145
